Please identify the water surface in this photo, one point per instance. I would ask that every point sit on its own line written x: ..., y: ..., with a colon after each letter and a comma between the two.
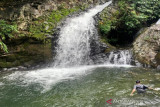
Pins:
x: 85, y: 87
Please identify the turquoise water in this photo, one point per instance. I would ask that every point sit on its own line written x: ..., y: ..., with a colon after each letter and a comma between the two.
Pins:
x: 91, y: 88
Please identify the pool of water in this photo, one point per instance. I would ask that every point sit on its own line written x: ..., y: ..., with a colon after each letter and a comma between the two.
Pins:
x: 88, y: 86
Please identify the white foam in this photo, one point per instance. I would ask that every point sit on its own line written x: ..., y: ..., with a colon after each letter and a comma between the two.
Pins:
x: 48, y: 77
x: 1, y: 83
x: 158, y: 22
x: 157, y: 89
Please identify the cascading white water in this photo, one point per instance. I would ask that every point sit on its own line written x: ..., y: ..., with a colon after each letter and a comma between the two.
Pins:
x: 73, y: 50
x: 74, y: 39
x: 121, y: 57
x: 158, y: 22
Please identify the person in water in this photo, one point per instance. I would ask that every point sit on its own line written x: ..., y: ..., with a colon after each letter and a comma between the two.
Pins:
x: 140, y: 88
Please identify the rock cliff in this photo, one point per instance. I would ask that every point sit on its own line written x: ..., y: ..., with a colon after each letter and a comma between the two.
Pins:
x: 24, y: 11
x: 147, y: 46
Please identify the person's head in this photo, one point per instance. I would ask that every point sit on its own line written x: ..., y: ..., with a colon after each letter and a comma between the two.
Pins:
x: 137, y: 82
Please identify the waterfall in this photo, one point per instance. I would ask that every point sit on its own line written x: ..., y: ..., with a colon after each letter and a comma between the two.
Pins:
x: 74, y: 39
x: 120, y: 57
x: 115, y: 58
x: 74, y: 43
x: 158, y: 22
x: 73, y: 54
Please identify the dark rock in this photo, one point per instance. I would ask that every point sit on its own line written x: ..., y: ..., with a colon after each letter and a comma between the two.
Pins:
x: 21, y: 68
x: 158, y: 67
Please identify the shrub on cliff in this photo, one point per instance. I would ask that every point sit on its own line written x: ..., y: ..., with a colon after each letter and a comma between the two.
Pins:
x: 128, y: 18
x: 44, y: 25
x: 6, y: 32
x: 150, y: 8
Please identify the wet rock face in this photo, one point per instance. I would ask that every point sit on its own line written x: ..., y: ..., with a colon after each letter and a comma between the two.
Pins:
x: 147, y: 46
x: 24, y: 11
x: 27, y: 54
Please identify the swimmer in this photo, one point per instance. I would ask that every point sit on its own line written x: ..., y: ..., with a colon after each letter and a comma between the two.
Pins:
x: 140, y: 88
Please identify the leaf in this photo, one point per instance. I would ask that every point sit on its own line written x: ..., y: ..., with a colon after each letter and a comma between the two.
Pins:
x: 4, y: 47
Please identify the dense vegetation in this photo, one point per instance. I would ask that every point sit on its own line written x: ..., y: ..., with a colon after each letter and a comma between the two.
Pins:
x: 6, y: 32
x: 128, y: 18
x: 39, y: 28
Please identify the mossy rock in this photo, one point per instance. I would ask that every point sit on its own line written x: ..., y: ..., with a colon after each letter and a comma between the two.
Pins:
x: 29, y: 53
x: 11, y: 58
x: 16, y: 63
x: 6, y: 64
x: 158, y: 58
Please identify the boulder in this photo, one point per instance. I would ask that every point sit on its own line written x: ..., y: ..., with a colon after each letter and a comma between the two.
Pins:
x: 147, y: 46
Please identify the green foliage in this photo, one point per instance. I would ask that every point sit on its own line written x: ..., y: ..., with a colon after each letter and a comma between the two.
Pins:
x: 44, y: 25
x: 135, y: 13
x: 129, y: 20
x: 105, y: 27
x: 129, y: 17
x: 4, y: 47
x: 6, y: 31
x: 150, y: 8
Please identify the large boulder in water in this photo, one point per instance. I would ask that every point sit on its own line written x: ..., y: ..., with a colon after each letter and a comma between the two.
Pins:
x: 147, y: 46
